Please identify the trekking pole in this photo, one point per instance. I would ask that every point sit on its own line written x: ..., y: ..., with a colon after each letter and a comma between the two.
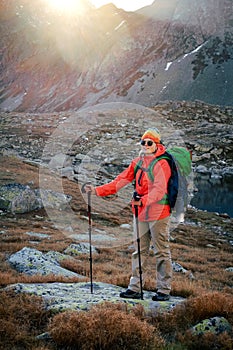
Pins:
x: 89, y: 229
x: 137, y: 198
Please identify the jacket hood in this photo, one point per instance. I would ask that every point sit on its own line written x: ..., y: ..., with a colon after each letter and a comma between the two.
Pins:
x: 160, y: 150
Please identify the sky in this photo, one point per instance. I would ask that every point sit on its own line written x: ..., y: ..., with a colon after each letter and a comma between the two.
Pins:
x: 127, y: 5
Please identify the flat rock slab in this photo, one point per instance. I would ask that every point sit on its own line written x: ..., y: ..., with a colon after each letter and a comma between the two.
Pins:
x: 77, y: 296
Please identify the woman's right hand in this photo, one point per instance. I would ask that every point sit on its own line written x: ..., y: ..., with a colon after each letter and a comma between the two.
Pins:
x: 89, y: 188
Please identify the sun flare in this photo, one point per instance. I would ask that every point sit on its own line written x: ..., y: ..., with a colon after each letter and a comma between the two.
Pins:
x: 74, y: 6
x: 65, y: 5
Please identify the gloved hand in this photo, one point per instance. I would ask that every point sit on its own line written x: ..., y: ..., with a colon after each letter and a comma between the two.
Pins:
x: 136, y: 200
x: 88, y: 188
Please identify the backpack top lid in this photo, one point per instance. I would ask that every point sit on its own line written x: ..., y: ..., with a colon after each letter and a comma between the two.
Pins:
x: 182, y: 158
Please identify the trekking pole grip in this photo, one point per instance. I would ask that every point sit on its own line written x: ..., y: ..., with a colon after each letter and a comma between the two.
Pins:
x: 136, y: 196
x: 84, y: 185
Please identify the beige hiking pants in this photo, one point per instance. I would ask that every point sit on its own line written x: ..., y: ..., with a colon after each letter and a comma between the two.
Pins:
x: 158, y: 233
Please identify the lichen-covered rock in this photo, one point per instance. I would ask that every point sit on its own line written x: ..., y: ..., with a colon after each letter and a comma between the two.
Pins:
x: 51, y: 199
x: 19, y: 199
x: 77, y: 296
x: 215, y: 325
x: 79, y: 248
x: 33, y: 262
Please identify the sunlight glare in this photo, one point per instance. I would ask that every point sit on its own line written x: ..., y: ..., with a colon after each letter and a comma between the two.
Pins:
x: 65, y: 5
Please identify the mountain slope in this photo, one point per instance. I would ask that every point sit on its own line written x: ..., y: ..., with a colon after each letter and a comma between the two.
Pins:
x: 211, y: 17
x: 170, y: 50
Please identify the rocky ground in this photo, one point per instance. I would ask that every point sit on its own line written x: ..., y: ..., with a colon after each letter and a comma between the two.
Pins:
x: 61, y: 151
x: 109, y: 133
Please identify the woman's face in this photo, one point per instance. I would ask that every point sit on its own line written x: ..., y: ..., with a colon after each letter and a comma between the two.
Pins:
x: 148, y: 146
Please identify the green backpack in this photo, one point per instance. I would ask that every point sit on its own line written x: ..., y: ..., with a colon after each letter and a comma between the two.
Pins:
x: 182, y: 158
x: 180, y: 162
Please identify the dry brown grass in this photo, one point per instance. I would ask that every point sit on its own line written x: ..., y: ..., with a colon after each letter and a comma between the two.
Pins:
x: 104, y: 327
x: 209, y: 294
x: 175, y: 326
x: 22, y: 317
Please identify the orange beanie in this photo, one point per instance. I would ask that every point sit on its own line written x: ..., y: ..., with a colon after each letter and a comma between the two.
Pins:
x: 152, y: 134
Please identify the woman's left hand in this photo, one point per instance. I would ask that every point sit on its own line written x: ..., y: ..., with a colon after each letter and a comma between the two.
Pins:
x: 139, y: 203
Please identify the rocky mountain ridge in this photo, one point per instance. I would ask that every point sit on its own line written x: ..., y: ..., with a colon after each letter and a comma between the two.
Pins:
x: 168, y: 51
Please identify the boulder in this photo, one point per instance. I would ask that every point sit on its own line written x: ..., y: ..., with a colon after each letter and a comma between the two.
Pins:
x: 51, y: 199
x: 79, y: 248
x: 33, y: 262
x: 215, y: 325
x: 18, y: 199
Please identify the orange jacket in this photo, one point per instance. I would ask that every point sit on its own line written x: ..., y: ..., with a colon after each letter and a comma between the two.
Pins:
x: 149, y: 192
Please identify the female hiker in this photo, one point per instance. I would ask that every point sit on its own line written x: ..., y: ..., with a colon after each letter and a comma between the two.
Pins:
x: 153, y: 215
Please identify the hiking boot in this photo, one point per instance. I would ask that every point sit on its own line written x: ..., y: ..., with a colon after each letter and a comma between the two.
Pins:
x: 130, y: 294
x: 160, y: 297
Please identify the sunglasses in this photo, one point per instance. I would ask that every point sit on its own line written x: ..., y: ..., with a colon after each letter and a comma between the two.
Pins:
x: 148, y: 143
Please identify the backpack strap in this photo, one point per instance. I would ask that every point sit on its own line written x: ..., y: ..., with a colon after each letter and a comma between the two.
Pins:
x: 150, y: 173
x: 150, y: 168
x: 137, y: 167
x: 153, y: 162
